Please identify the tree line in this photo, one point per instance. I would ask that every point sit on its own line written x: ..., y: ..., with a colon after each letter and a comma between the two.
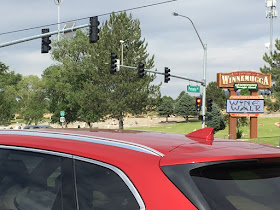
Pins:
x: 80, y: 82
x: 185, y: 105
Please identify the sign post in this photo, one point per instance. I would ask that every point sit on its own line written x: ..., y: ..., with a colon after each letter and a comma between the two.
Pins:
x: 62, y: 118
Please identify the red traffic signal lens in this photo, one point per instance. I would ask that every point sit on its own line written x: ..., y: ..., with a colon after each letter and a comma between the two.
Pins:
x: 198, y: 100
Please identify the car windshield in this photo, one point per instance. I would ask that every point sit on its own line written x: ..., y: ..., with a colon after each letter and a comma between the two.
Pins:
x: 240, y: 185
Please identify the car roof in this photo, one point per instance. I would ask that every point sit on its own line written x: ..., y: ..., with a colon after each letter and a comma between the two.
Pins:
x: 168, y: 148
x: 37, y: 126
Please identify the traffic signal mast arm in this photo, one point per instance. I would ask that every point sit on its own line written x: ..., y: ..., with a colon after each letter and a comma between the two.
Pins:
x: 155, y: 72
x: 42, y: 35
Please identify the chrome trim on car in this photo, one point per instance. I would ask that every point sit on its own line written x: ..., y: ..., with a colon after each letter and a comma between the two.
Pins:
x: 87, y: 138
x: 28, y: 149
x: 121, y: 174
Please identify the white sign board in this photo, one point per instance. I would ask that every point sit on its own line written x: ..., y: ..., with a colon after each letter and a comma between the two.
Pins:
x: 62, y: 119
x: 245, y: 105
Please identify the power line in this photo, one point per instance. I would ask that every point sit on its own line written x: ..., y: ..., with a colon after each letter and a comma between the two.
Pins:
x: 135, y: 8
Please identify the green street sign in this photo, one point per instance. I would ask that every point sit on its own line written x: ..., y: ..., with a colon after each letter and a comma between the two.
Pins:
x: 62, y: 113
x: 249, y: 86
x: 194, y: 89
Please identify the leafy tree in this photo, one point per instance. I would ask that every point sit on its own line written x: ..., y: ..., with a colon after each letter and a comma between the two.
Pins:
x: 61, y: 93
x: 31, y: 96
x: 8, y: 102
x: 273, y: 67
x: 217, y: 94
x: 217, y: 119
x: 185, y: 106
x: 166, y: 107
x: 95, y: 92
x: 92, y: 111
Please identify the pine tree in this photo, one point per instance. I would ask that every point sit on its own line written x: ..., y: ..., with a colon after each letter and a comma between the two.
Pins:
x: 166, y: 107
x: 185, y: 106
x: 216, y: 94
x: 273, y: 67
x: 215, y: 119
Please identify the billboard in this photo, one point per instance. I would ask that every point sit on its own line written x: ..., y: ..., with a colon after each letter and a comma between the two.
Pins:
x: 245, y: 106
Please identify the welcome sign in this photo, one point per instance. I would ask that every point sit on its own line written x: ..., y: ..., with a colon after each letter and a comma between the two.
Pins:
x: 227, y: 80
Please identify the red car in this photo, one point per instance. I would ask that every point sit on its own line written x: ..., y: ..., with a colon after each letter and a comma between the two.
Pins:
x: 131, y: 170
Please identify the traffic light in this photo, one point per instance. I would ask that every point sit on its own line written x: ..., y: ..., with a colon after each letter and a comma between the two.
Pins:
x: 209, y: 104
x: 166, y: 74
x: 113, y: 68
x: 141, y: 70
x: 93, y: 29
x: 45, y: 47
x: 198, y: 104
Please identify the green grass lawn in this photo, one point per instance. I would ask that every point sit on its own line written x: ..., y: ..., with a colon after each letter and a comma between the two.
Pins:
x: 267, y: 131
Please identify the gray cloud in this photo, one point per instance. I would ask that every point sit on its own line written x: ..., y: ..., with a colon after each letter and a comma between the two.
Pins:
x: 235, y: 32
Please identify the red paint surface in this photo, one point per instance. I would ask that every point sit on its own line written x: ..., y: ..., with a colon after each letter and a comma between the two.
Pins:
x: 144, y: 169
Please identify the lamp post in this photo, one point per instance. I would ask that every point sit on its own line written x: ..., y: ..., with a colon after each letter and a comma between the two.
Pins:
x: 271, y: 4
x: 121, y: 41
x: 204, y: 46
x: 57, y: 2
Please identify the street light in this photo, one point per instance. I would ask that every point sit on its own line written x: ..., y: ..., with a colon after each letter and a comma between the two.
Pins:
x: 57, y: 2
x: 204, y: 46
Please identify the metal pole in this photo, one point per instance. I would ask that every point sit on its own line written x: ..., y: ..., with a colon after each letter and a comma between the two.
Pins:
x: 204, y: 70
x: 40, y: 36
x: 204, y: 86
x: 271, y: 28
x: 121, y: 41
x: 156, y: 72
x: 58, y: 19
x: 122, y: 53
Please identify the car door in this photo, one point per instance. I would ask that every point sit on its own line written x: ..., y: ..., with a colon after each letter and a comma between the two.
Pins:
x: 33, y: 179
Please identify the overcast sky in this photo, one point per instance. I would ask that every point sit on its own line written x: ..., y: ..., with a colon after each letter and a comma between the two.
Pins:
x: 235, y: 32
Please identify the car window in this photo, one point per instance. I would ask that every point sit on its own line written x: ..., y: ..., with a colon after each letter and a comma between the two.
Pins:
x: 101, y: 188
x: 246, y: 184
x: 29, y: 181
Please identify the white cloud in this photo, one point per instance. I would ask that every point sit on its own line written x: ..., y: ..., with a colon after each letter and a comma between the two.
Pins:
x: 27, y: 63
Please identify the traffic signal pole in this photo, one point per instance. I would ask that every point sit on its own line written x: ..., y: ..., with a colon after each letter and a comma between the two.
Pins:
x: 156, y: 72
x: 204, y: 85
x: 41, y: 35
